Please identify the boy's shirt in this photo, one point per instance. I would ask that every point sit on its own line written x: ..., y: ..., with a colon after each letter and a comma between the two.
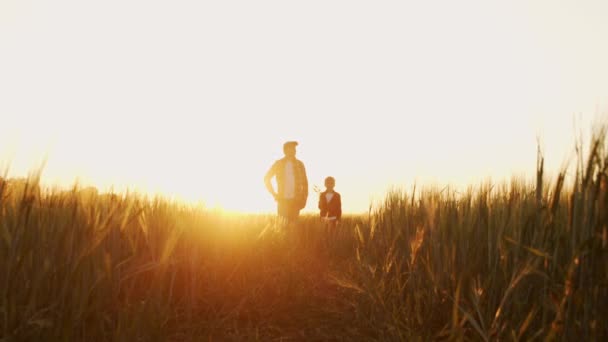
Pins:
x: 330, y: 205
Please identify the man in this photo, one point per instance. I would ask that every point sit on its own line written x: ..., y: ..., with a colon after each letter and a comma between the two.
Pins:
x: 292, y: 183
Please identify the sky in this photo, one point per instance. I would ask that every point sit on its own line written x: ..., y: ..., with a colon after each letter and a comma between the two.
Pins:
x: 194, y: 99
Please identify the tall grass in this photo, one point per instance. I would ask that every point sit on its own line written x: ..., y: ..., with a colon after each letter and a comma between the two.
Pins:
x: 514, y: 261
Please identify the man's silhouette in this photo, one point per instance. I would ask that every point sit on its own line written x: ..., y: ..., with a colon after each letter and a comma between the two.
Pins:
x: 292, y: 183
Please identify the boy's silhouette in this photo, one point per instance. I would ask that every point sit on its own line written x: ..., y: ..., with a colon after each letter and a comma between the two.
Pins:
x: 330, y: 203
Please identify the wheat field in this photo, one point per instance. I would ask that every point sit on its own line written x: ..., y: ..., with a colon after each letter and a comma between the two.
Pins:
x: 524, y: 260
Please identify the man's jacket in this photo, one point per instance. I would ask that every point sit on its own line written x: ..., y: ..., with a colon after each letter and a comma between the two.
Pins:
x: 301, y: 181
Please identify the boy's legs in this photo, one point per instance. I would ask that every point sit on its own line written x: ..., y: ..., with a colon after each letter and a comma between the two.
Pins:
x: 331, y: 229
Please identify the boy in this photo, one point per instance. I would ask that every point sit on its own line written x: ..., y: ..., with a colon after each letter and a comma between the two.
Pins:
x: 330, y: 204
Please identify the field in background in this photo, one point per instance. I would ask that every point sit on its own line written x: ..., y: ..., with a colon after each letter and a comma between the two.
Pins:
x: 514, y: 261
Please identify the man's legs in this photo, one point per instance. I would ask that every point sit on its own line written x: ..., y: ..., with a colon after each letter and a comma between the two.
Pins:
x: 288, y: 215
x: 288, y: 209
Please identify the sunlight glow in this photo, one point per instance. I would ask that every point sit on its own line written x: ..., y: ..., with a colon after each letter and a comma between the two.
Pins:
x: 195, y: 99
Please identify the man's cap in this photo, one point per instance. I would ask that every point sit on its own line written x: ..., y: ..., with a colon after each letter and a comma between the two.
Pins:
x: 290, y: 143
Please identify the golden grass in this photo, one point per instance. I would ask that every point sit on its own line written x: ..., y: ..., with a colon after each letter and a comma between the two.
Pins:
x: 511, y: 262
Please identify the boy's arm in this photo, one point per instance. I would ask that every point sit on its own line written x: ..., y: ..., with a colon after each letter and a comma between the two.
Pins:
x: 339, y: 198
x: 322, y: 205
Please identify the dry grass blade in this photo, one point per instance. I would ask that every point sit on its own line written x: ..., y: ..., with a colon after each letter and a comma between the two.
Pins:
x: 122, y: 267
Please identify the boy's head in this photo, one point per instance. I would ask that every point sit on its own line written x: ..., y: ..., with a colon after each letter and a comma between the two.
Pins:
x: 330, y: 183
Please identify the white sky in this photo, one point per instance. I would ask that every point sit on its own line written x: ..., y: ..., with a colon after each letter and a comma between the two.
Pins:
x: 195, y: 98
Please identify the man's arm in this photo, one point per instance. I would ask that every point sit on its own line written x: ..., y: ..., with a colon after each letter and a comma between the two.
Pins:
x: 267, y: 180
x: 304, y: 181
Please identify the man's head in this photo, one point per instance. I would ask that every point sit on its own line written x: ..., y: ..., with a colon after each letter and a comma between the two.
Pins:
x: 330, y: 183
x: 289, y: 149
